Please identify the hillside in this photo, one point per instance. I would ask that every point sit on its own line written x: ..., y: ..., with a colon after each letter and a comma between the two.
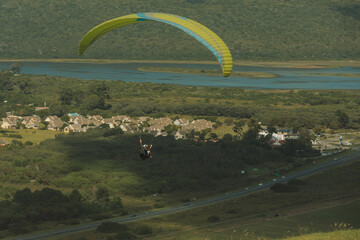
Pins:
x: 337, y: 235
x: 253, y: 30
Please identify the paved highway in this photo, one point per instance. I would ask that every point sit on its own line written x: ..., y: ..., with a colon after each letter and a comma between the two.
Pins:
x: 88, y: 226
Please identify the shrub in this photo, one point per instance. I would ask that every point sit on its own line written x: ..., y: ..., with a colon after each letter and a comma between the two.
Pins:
x: 100, y: 216
x: 296, y: 182
x: 122, y: 235
x: 231, y: 211
x: 284, y: 188
x: 113, y: 131
x: 111, y: 227
x: 213, y: 219
x: 143, y: 230
x: 158, y: 205
x: 185, y: 200
x: 71, y: 222
x: 14, y: 136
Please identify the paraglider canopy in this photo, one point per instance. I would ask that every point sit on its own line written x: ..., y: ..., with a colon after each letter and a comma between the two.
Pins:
x: 201, y: 33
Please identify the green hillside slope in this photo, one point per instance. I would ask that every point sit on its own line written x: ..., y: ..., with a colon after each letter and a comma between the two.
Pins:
x: 337, y: 235
x: 254, y: 30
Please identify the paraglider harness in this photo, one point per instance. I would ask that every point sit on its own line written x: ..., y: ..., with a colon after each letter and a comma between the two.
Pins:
x: 145, y: 152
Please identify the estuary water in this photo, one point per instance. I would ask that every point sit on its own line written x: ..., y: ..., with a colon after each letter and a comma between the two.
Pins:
x: 289, y: 78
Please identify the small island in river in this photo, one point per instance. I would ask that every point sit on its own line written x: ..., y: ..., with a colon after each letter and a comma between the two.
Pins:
x: 208, y: 72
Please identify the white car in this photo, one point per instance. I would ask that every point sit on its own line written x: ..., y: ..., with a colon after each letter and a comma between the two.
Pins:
x: 260, y: 184
x: 274, y: 180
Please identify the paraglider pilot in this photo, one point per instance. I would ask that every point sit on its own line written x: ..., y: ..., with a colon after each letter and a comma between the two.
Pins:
x: 145, y: 152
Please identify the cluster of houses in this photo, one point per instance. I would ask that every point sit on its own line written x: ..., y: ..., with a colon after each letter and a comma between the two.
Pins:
x: 79, y: 123
x: 280, y: 137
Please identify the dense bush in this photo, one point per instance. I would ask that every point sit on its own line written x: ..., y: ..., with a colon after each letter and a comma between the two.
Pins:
x: 296, y: 182
x: 284, y: 188
x: 143, y: 230
x: 111, y: 227
x: 213, y: 219
x: 43, y: 205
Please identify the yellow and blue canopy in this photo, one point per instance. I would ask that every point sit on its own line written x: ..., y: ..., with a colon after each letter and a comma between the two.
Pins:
x: 201, y: 33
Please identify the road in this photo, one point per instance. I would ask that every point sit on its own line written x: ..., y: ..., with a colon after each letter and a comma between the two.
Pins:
x: 89, y: 226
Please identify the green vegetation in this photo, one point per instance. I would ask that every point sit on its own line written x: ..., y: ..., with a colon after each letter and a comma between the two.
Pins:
x: 27, y: 208
x: 272, y: 214
x: 294, y: 109
x: 253, y: 30
x: 208, y: 72
x: 337, y: 235
x: 28, y: 135
x: 329, y: 201
x: 103, y: 165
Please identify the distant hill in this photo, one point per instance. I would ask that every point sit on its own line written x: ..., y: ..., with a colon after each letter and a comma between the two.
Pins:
x: 253, y: 29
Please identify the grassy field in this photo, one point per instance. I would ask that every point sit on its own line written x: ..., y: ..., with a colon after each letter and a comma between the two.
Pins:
x: 33, y: 135
x: 336, y: 235
x: 326, y: 198
x: 322, y: 220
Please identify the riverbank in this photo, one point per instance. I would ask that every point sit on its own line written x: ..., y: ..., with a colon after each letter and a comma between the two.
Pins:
x: 207, y: 72
x: 338, y: 74
x: 290, y: 64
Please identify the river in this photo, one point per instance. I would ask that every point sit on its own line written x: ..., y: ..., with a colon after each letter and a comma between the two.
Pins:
x: 289, y: 78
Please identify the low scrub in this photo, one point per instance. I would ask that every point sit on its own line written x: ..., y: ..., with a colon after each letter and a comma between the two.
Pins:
x: 213, y: 219
x: 284, y: 188
x: 111, y: 227
x: 143, y: 230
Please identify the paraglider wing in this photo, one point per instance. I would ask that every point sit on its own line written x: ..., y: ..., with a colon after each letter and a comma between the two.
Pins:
x: 201, y: 33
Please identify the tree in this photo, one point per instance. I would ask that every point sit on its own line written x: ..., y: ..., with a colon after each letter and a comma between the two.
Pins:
x: 238, y: 125
x: 251, y: 136
x: 190, y: 135
x: 116, y: 205
x: 214, y: 136
x: 319, y: 130
x: 171, y: 128
x: 25, y: 86
x: 253, y: 123
x: 56, y: 109
x: 69, y: 96
x: 342, y: 118
x: 305, y: 138
x: 42, y: 126
x: 28, y: 111
x: 65, y: 118
x: 92, y: 102
x: 6, y: 82
x: 228, y: 121
x: 217, y: 124
x: 104, y: 125
x: 16, y: 67
x: 43, y: 113
x: 100, y: 89
x: 23, y: 197
x: 271, y: 128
